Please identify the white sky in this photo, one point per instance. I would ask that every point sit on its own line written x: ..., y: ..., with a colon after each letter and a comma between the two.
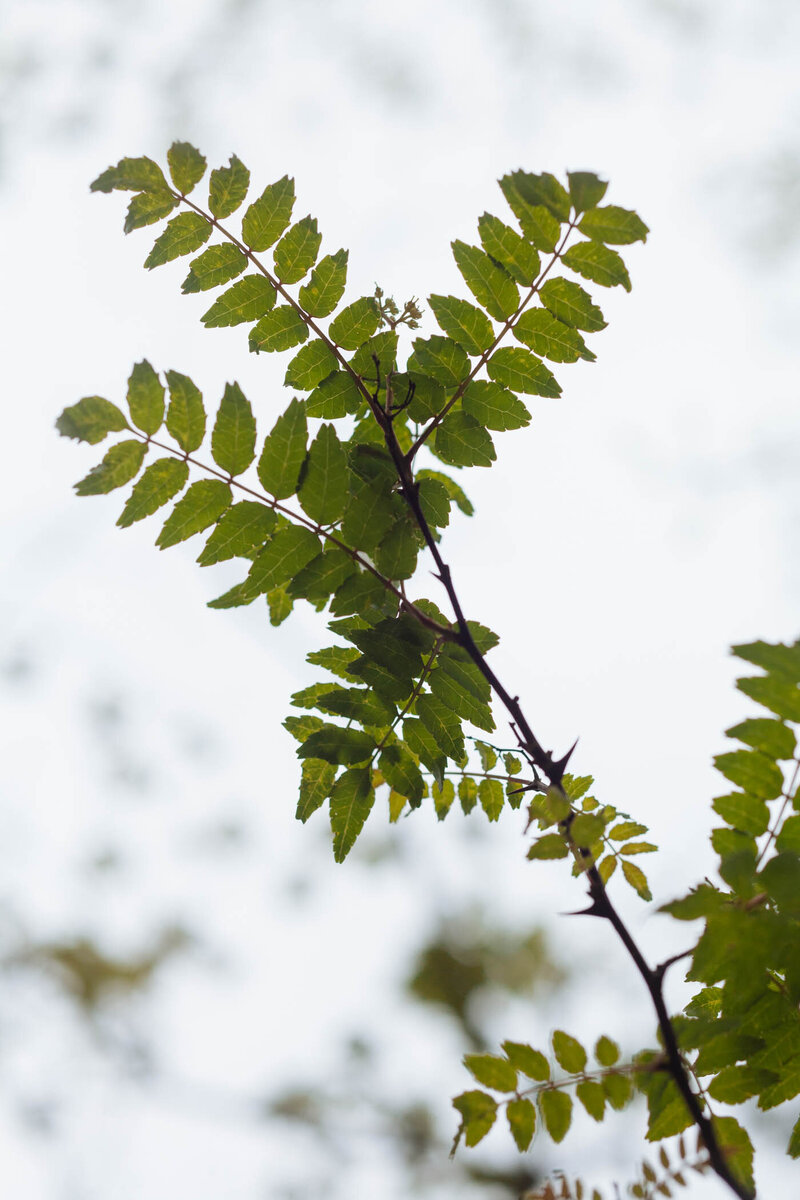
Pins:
x: 642, y: 523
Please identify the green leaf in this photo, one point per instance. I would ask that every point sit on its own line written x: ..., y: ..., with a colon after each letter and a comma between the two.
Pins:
x: 336, y: 744
x: 442, y: 359
x: 355, y: 323
x: 570, y: 1054
x: 335, y: 396
x: 586, y: 829
x: 145, y: 398
x: 626, y: 829
x: 747, y: 813
x: 779, y: 695
x: 521, y: 1116
x: 478, y: 1115
x: 494, y: 406
x: 638, y: 848
x: 594, y: 261
x: 443, y: 725
x: 606, y: 1051
x: 267, y: 217
x: 637, y: 879
x: 443, y: 796
x: 490, y: 794
x: 463, y: 322
x: 313, y: 363
x: 521, y: 371
x: 789, y: 836
x: 316, y: 782
x: 280, y: 329
x: 130, y: 175
x: 228, y: 188
x: 301, y: 728
x: 752, y: 771
x: 371, y: 512
x: 552, y: 845
x: 296, y: 252
x: 736, y: 1147
x: 531, y: 1062
x: 215, y: 266
x: 492, y: 1072
x: 773, y: 657
x: 280, y: 605
x: 183, y: 235
x: 467, y: 794
x: 490, y: 284
x: 585, y: 190
x: 240, y: 530
x: 543, y: 189
x: 118, y: 467
x: 456, y: 493
x: 422, y: 743
x: 149, y: 207
x: 550, y: 338
x: 434, y: 502
x: 793, y: 1149
x: 556, y: 1110
x: 159, y: 483
x: 323, y: 575
x: 506, y: 247
x: 618, y: 1089
x: 248, y: 299
x: 284, y: 555
x: 462, y: 688
x: 607, y: 867
x: 488, y: 755
x: 780, y: 878
x: 536, y: 221
x: 461, y: 441
x: 186, y: 417
x: 233, y: 440
x: 382, y: 346
x: 203, y: 505
x: 326, y: 285
x: 187, y: 166
x: 735, y: 1084
x: 91, y: 420
x: 571, y: 304
x: 323, y: 492
x: 351, y: 801
x: 614, y: 225
x: 773, y: 738
x: 401, y: 772
x: 701, y: 901
x: 592, y: 1097
x: 396, y: 556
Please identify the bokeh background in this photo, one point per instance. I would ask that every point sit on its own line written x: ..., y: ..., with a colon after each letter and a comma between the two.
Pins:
x: 194, y: 1000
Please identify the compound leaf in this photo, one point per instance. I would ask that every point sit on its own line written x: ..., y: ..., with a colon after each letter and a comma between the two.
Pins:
x: 187, y: 166
x: 550, y: 338
x: 228, y: 188
x: 149, y: 207
x: 130, y: 175
x: 233, y: 440
x: 594, y: 261
x: 283, y: 557
x: 284, y: 452
x: 267, y: 217
x: 505, y: 246
x: 442, y: 359
x: 520, y: 371
x: 493, y: 406
x: 296, y: 252
x: 118, y: 467
x: 215, y: 266
x: 145, y: 398
x: 316, y: 782
x: 355, y: 323
x: 183, y: 235
x: 240, y: 530
x: 461, y: 441
x: 310, y: 366
x: 91, y: 420
x: 280, y: 329
x: 186, y: 416
x: 203, y: 504
x: 571, y: 304
x: 463, y: 322
x: 614, y: 225
x: 158, y: 484
x: 585, y: 190
x: 247, y: 300
x: 326, y: 285
x: 490, y: 284
x: 323, y: 492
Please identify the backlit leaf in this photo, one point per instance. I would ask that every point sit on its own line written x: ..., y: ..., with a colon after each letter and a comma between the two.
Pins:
x: 149, y: 207
x: 336, y: 744
x: 442, y: 359
x: 570, y: 1054
x: 278, y: 330
x: 491, y: 1071
x: 594, y: 261
x: 296, y: 252
x: 536, y: 221
x: 478, y: 1114
x: 186, y: 416
x: 490, y: 284
x: 592, y: 1097
x: 91, y: 420
x: 490, y: 795
x: 551, y: 845
x: 556, y: 1110
x: 243, y: 528
x: 215, y: 266
x: 323, y: 492
x: 454, y: 491
x: 352, y: 798
x: 461, y: 441
x: 585, y: 190
x: 748, y: 813
x: 158, y: 484
x: 532, y: 1063
x: 550, y: 338
x: 505, y: 246
x: 233, y: 440
x: 326, y: 285
x: 521, y: 1116
x: 316, y: 782
x: 313, y: 363
x: 773, y: 738
x: 145, y: 398
x: 118, y: 467
x: 267, y: 217
x: 752, y: 771
x: 637, y: 879
x: 521, y: 371
x: 401, y: 771
x: 780, y: 695
x: 355, y: 323
x: 130, y: 175
x: 228, y: 188
x: 284, y: 555
x: 187, y: 166
x: 201, y: 506
x: 335, y: 396
x: 571, y: 304
x: 606, y: 1051
x: 614, y: 225
x: 463, y: 322
x: 247, y: 300
x: 183, y: 235
x: 494, y: 406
